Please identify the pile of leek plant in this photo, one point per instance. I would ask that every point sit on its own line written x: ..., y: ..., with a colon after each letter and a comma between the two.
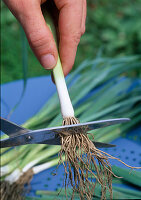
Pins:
x: 99, y: 89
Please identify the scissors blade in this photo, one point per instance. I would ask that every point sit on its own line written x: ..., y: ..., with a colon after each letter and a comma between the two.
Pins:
x: 87, y: 126
x: 50, y: 134
x: 31, y: 137
x: 104, y: 123
x: 57, y: 141
x: 103, y: 145
x: 11, y: 128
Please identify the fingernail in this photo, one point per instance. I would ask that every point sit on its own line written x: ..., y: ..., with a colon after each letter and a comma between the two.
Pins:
x: 48, y: 61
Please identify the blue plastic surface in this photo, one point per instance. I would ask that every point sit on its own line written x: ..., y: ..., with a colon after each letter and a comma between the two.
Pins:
x: 37, y: 93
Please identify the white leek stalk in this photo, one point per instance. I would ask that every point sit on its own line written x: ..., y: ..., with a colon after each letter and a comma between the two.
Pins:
x: 65, y: 102
x: 39, y: 168
x: 14, y: 176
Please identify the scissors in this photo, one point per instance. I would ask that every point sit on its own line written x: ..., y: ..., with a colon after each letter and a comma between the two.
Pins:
x: 19, y: 135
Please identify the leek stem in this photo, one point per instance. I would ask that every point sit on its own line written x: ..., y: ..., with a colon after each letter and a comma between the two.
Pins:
x: 42, y: 167
x: 65, y: 102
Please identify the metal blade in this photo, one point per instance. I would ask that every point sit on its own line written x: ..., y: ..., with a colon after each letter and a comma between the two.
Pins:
x: 84, y: 127
x: 55, y: 141
x: 31, y: 137
x: 105, y: 123
x: 97, y: 144
x: 103, y: 145
x: 11, y: 128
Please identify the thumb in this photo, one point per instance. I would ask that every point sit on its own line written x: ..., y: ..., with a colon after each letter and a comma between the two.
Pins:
x: 39, y: 36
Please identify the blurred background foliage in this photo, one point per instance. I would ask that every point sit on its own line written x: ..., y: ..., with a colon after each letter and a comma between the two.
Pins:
x: 114, y: 27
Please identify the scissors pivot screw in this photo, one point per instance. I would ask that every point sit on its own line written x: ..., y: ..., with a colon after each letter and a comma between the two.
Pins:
x: 28, y: 137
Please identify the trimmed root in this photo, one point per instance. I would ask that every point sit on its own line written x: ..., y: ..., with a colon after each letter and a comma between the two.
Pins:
x: 15, y: 191
x: 70, y: 121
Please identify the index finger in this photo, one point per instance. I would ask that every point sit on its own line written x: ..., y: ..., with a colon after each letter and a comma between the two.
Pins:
x: 70, y: 19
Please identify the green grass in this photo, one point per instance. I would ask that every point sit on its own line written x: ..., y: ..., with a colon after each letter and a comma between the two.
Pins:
x: 11, y: 51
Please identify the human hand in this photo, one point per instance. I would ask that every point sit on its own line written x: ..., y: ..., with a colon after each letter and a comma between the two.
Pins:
x: 71, y: 25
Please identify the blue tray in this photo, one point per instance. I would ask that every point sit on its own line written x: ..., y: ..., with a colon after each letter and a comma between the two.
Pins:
x: 37, y: 92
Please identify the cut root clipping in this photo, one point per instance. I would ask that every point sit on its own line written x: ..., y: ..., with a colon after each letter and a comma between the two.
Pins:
x: 16, y: 190
x: 83, y: 162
